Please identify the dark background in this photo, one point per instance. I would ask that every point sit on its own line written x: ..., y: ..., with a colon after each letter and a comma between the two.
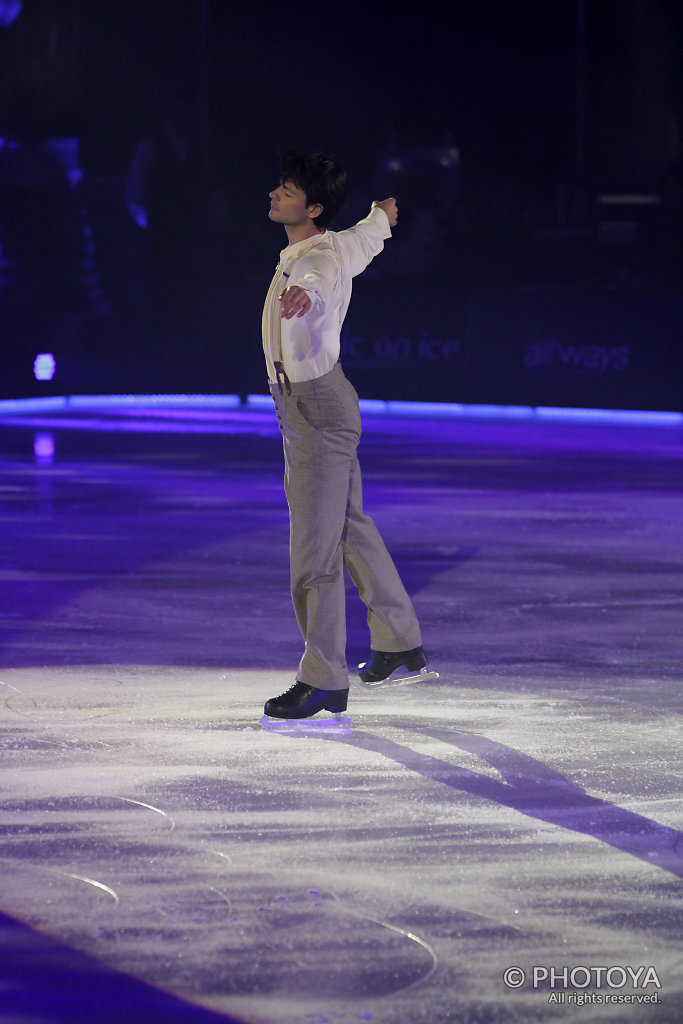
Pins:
x: 534, y: 147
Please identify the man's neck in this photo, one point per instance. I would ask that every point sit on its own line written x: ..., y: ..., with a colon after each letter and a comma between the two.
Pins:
x: 298, y: 232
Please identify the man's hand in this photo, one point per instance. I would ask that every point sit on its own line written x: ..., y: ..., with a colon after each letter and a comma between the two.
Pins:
x: 390, y: 207
x: 294, y: 301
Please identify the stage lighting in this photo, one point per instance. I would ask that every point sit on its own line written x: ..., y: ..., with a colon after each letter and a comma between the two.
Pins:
x: 44, y: 366
x: 9, y: 12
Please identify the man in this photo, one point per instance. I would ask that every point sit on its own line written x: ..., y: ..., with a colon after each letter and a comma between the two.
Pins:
x: 317, y: 410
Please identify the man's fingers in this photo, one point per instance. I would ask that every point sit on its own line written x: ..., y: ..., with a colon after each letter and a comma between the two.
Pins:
x: 293, y: 305
x: 294, y: 302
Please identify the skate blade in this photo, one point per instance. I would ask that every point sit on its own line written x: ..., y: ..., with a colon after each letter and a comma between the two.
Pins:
x: 422, y: 676
x: 312, y: 726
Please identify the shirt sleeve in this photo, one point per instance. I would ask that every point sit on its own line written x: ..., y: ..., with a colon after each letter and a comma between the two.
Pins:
x: 365, y: 240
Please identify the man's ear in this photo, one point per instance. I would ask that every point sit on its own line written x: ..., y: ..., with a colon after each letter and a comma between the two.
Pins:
x: 314, y: 210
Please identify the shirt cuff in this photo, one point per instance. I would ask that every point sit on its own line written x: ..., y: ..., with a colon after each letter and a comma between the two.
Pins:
x: 378, y: 215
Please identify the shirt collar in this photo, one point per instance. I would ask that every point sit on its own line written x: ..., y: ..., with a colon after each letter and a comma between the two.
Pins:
x: 299, y: 248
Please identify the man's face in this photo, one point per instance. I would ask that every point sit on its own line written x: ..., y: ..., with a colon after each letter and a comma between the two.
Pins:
x: 288, y: 205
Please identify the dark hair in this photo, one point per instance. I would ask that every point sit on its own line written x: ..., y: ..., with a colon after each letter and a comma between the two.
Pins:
x: 320, y: 177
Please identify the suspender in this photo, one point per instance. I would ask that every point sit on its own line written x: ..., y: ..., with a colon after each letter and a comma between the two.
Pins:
x: 280, y: 375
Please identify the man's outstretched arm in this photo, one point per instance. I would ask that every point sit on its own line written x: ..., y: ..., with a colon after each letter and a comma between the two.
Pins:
x: 366, y: 239
x: 295, y: 302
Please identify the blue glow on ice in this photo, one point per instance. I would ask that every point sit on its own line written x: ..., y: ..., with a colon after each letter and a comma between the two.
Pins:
x: 44, y: 447
x: 210, y: 406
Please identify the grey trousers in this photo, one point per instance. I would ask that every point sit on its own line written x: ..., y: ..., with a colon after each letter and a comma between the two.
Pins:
x: 321, y: 428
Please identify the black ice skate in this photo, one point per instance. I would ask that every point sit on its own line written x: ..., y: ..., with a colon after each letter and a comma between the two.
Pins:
x: 292, y: 711
x: 302, y: 701
x: 379, y: 670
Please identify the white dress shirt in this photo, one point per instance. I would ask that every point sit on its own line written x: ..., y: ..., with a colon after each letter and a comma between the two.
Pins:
x: 323, y: 266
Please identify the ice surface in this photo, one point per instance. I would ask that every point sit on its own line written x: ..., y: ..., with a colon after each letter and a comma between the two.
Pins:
x: 184, y: 858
